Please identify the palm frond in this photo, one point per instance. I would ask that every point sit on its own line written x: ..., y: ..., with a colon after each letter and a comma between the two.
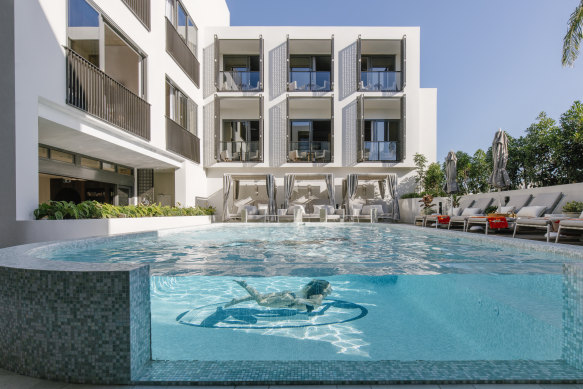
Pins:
x: 573, y: 37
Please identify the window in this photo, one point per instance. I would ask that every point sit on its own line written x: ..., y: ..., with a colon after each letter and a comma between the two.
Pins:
x: 128, y: 171
x: 109, y: 167
x: 93, y: 38
x: 61, y: 156
x: 180, y: 108
x: 90, y: 163
x: 310, y: 141
x: 378, y: 63
x: 43, y: 152
x: 380, y: 139
x: 182, y: 22
x: 240, y: 140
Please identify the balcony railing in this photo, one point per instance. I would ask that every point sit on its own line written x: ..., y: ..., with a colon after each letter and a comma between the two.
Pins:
x: 306, y: 80
x: 93, y: 91
x: 306, y: 151
x: 181, y: 141
x: 178, y: 49
x: 240, y: 81
x: 240, y: 151
x: 380, y: 81
x: 380, y: 151
x: 140, y: 8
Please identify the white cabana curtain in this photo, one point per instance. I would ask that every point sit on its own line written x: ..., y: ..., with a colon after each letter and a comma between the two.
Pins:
x: 392, y: 186
x: 227, y: 182
x: 331, y: 190
x: 382, y: 188
x: 289, y: 182
x: 270, y: 186
x: 351, y: 185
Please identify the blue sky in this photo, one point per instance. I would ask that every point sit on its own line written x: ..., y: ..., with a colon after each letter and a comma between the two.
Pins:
x: 495, y: 63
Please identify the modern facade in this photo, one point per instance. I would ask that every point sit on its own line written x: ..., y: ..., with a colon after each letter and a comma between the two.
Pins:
x: 131, y: 101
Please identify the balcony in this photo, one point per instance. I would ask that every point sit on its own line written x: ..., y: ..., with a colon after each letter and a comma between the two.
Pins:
x: 306, y: 151
x: 242, y: 81
x: 380, y: 151
x: 309, y: 80
x: 240, y: 151
x: 140, y: 8
x: 181, y: 141
x: 91, y: 90
x: 238, y: 65
x: 179, y: 50
x: 381, y: 65
x: 382, y: 81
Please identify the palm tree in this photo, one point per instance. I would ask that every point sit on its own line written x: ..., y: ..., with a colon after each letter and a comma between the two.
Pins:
x: 573, y: 37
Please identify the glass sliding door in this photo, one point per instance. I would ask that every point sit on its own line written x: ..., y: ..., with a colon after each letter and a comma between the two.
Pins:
x: 240, y: 141
x: 310, y: 141
x: 380, y: 140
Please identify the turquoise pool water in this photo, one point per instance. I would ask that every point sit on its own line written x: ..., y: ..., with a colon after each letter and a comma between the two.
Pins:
x: 398, y: 294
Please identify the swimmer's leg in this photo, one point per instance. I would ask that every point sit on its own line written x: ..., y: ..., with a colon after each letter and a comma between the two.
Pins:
x: 252, y: 292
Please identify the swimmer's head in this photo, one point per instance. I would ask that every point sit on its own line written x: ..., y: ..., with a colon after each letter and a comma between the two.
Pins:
x: 315, y: 287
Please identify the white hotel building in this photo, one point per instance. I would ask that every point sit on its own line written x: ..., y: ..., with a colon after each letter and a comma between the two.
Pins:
x: 122, y: 101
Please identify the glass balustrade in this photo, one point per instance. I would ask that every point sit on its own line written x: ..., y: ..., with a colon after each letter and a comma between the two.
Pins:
x: 306, y: 80
x: 240, y: 151
x: 306, y: 151
x: 380, y: 151
x: 240, y: 81
x: 380, y: 81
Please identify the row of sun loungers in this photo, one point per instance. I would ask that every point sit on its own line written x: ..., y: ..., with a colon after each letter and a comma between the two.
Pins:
x: 527, y: 212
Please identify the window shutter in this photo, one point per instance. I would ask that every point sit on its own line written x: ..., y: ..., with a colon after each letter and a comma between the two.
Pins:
x: 403, y: 130
x: 217, y: 129
x: 332, y: 64
x: 217, y: 69
x: 287, y: 78
x: 287, y: 126
x: 358, y: 61
x: 403, y: 61
x: 332, y: 128
x: 359, y: 127
x: 261, y: 62
x: 261, y: 120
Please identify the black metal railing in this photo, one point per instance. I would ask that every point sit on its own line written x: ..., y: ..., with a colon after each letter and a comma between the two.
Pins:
x: 93, y: 91
x: 309, y: 80
x: 179, y: 50
x: 306, y: 151
x: 381, y: 151
x: 380, y: 81
x: 239, y: 151
x: 140, y: 8
x: 235, y: 80
x: 181, y: 141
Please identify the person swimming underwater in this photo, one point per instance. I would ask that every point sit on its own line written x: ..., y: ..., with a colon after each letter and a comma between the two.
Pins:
x: 307, y: 298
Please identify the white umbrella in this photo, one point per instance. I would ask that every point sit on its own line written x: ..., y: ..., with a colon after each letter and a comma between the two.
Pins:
x: 451, y: 185
x: 499, y: 178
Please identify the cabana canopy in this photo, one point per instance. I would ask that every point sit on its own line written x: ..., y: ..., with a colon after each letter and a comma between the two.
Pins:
x: 350, y: 185
x: 291, y: 178
x: 231, y: 190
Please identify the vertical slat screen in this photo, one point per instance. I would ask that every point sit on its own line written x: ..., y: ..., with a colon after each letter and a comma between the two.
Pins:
x: 261, y: 60
x: 359, y: 127
x: 358, y: 62
x: 332, y: 128
x: 287, y: 127
x: 403, y: 62
x: 403, y: 128
x: 332, y: 63
x: 217, y: 128
x: 217, y: 64
x: 287, y: 74
x: 140, y: 8
x: 261, y: 128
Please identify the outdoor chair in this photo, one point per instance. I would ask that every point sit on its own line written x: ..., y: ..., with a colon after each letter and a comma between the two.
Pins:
x: 478, y: 209
x: 569, y: 224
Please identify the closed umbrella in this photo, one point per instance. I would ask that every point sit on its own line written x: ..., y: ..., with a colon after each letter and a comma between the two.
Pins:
x: 451, y: 185
x: 499, y: 178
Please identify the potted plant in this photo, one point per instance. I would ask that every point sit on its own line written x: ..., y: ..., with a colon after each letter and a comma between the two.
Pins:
x: 573, y: 208
x: 426, y: 204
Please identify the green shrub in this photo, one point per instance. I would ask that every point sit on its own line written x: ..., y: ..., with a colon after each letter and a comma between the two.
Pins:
x: 413, y: 195
x: 573, y: 206
x: 490, y: 209
x: 60, y: 210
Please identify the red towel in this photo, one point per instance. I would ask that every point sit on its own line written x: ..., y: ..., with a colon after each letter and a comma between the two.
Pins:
x: 497, y: 222
x: 443, y: 219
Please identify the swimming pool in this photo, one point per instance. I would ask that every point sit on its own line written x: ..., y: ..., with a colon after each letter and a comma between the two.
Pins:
x: 399, y: 294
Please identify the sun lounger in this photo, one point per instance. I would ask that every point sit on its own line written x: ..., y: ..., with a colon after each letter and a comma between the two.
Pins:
x: 435, y: 218
x: 290, y: 214
x: 541, y: 203
x: 478, y: 208
x: 569, y: 224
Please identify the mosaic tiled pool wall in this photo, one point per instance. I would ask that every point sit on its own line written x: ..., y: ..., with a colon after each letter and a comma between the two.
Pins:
x: 573, y: 315
x: 75, y: 326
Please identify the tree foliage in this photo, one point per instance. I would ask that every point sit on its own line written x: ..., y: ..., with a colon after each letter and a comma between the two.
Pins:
x: 572, y: 39
x: 434, y: 178
x: 420, y: 162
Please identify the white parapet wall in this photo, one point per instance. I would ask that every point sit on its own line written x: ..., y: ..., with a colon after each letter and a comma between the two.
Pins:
x: 31, y: 231
x: 571, y: 192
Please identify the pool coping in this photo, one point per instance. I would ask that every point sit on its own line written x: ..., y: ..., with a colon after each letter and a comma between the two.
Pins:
x: 20, y: 262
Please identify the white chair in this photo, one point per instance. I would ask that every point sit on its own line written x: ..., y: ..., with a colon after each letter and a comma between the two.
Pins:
x: 226, y: 156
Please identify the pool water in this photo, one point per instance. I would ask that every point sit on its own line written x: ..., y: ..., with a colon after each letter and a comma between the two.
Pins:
x: 398, y: 294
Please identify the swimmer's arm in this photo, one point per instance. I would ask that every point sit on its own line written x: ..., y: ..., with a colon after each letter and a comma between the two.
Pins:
x: 239, y: 300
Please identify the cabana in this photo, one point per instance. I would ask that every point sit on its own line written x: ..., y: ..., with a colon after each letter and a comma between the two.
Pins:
x: 360, y: 201
x: 257, y: 204
x: 310, y: 204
